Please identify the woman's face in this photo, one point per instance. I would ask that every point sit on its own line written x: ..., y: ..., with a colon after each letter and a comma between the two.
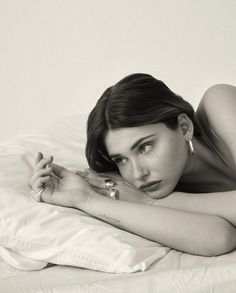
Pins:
x: 150, y: 157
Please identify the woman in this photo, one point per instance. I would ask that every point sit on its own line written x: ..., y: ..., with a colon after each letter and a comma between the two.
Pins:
x: 173, y: 171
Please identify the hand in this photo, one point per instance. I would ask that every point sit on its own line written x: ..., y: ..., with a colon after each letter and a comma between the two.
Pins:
x: 61, y: 186
x: 127, y: 191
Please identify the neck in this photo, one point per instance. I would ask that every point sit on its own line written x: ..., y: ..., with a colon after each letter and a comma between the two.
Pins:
x: 205, y: 171
x: 199, y: 164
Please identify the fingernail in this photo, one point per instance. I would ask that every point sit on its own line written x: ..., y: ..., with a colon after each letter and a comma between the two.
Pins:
x: 41, y: 155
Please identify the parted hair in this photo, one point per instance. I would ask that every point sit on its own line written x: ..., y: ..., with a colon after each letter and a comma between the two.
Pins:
x: 136, y: 100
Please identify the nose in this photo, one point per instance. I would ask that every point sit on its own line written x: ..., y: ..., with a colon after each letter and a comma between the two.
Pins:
x: 140, y: 172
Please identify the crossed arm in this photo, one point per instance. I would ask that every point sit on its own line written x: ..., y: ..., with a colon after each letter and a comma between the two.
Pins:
x: 196, y: 224
x: 201, y: 224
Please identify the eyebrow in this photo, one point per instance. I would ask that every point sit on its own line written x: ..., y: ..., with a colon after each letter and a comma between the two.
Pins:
x: 133, y: 146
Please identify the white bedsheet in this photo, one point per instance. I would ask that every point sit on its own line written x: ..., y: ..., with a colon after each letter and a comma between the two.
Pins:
x: 176, y: 272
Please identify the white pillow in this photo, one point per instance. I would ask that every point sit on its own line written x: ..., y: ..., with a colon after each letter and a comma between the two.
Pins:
x: 33, y: 234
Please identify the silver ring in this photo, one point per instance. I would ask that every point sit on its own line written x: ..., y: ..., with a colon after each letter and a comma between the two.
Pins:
x: 114, y: 193
x: 37, y: 196
x: 109, y: 183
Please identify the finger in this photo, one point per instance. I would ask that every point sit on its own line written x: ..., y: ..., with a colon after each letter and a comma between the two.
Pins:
x: 38, y: 184
x: 43, y: 163
x: 104, y: 192
x: 39, y: 157
x: 60, y: 171
x: 41, y: 173
x: 97, y: 182
x: 88, y: 173
x: 111, y: 175
x: 81, y: 173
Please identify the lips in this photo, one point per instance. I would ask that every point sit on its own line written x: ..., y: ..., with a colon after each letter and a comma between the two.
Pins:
x: 151, y: 186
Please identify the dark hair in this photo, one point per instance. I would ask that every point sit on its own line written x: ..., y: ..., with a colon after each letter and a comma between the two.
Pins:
x: 138, y: 99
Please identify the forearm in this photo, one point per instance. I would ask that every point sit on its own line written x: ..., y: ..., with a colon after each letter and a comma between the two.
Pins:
x: 222, y: 204
x: 194, y: 233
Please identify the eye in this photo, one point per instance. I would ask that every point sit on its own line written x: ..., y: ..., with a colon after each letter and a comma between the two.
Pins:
x: 145, y: 147
x: 120, y: 161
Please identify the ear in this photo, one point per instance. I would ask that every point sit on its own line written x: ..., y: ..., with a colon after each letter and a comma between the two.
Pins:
x: 186, y: 126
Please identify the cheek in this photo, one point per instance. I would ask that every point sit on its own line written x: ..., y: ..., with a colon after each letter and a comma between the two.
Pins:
x: 170, y: 156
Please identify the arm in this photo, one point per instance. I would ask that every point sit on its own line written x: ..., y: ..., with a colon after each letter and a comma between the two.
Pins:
x: 222, y: 204
x: 193, y: 204
x: 193, y: 233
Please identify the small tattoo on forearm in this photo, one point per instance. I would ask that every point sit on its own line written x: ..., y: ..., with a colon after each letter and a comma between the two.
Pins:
x: 110, y: 218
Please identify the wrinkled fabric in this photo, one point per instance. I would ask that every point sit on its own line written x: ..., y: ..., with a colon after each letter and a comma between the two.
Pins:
x: 174, y: 272
x: 34, y: 234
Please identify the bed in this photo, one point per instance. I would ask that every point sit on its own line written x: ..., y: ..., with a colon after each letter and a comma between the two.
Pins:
x: 96, y: 258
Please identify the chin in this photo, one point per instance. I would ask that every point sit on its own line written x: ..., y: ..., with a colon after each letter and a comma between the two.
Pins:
x: 161, y: 193
x: 157, y: 195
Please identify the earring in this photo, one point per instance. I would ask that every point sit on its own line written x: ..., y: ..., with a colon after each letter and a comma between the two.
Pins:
x: 191, y: 147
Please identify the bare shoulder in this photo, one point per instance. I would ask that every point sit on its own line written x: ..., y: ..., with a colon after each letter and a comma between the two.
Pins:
x: 220, y: 94
x: 219, y: 105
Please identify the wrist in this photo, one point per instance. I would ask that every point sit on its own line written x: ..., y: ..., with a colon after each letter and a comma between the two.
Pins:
x: 83, y: 199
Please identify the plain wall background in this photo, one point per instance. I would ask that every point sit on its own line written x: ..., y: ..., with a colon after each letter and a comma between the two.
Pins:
x: 58, y: 56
